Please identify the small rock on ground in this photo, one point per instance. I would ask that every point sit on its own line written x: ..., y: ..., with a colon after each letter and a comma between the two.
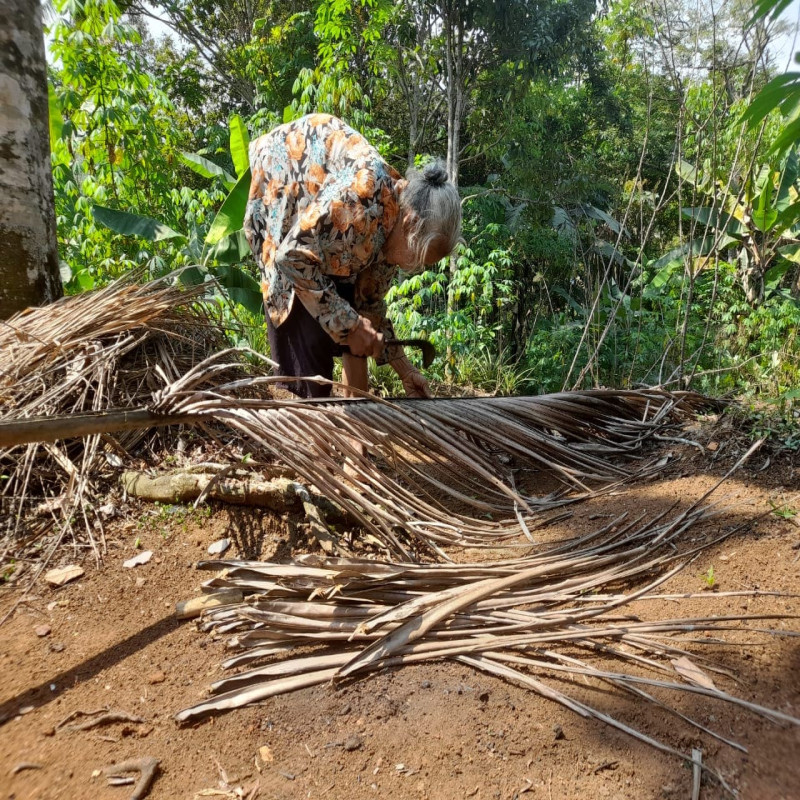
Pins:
x: 219, y: 547
x: 353, y: 743
x: 61, y: 575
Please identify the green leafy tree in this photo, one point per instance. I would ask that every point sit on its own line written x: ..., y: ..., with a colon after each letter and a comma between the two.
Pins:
x: 248, y: 52
x: 116, y: 144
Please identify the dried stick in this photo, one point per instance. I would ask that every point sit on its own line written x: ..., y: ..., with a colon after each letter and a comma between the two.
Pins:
x: 145, y: 766
x: 105, y: 718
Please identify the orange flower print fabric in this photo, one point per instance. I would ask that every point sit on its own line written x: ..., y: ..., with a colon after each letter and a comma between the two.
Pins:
x: 322, y: 202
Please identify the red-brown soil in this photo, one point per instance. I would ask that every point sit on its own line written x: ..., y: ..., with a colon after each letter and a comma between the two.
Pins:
x: 436, y: 731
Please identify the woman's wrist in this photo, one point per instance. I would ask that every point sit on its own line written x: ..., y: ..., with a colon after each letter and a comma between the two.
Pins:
x: 354, y: 328
x: 402, y: 366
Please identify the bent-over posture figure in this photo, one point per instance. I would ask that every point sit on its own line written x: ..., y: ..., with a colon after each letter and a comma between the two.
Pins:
x: 330, y: 223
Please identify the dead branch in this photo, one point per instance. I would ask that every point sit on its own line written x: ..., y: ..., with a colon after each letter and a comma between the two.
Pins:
x: 279, y: 495
x: 81, y: 367
x: 25, y: 765
x: 106, y: 718
x: 79, y: 713
x: 534, y: 621
x: 328, y: 541
x: 145, y: 766
x: 182, y: 487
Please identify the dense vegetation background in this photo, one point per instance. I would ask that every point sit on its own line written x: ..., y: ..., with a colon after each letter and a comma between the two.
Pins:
x: 631, y: 215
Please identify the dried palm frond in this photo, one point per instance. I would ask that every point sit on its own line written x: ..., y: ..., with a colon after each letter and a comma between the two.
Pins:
x: 109, y: 348
x: 418, y: 475
x: 531, y: 620
x: 424, y: 474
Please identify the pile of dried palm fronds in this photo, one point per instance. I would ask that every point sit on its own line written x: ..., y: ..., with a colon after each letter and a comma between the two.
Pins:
x: 417, y: 475
x: 534, y: 621
x: 423, y: 474
x: 109, y: 348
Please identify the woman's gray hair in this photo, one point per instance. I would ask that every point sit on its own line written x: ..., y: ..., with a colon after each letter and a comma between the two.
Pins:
x: 435, y: 207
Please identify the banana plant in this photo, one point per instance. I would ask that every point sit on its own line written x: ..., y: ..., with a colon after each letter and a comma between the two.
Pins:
x: 219, y: 253
x: 758, y: 218
x: 781, y: 93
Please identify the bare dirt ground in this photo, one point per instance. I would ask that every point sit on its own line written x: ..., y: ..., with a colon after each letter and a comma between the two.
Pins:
x: 436, y: 731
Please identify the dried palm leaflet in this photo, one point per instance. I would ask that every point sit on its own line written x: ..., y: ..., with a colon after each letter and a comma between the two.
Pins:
x: 529, y: 620
x: 427, y: 476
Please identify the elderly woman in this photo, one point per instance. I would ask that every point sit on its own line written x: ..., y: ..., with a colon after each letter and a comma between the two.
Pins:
x: 330, y: 223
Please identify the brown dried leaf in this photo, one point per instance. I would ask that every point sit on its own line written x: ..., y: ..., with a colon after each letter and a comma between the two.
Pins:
x: 689, y: 670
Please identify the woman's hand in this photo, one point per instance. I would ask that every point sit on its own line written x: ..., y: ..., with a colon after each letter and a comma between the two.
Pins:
x: 414, y: 382
x: 363, y: 340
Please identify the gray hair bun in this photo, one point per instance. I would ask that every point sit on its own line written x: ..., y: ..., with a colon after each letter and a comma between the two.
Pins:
x: 435, y: 208
x: 435, y: 173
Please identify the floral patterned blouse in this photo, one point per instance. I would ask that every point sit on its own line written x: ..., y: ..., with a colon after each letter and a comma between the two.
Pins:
x: 322, y: 202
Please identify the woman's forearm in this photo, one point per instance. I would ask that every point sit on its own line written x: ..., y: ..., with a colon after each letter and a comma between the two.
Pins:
x: 354, y: 373
x: 401, y: 365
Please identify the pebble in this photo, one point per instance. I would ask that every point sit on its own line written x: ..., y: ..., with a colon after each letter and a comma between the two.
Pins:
x: 266, y: 754
x: 107, y: 510
x: 558, y: 732
x: 219, y: 547
x: 57, y: 647
x: 353, y: 743
x: 61, y: 575
x: 156, y: 677
x: 42, y: 630
x: 141, y: 558
x: 140, y: 582
x: 425, y: 685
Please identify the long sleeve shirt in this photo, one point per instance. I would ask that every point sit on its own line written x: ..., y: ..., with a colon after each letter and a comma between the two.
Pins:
x: 322, y: 203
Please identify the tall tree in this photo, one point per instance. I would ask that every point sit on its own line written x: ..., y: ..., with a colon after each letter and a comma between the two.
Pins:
x: 246, y: 46
x: 28, y: 253
x: 533, y: 37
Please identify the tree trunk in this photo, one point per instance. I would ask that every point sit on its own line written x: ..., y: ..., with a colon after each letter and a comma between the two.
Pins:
x: 454, y: 66
x: 28, y: 252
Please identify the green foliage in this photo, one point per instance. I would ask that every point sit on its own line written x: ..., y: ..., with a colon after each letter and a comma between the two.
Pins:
x: 230, y: 217
x: 782, y: 93
x: 587, y: 249
x: 744, y: 198
x: 481, y: 290
x: 709, y: 578
x: 219, y: 258
x: 116, y: 147
x: 348, y: 34
x: 783, y: 511
x: 135, y: 225
x: 208, y: 169
x: 384, y: 380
